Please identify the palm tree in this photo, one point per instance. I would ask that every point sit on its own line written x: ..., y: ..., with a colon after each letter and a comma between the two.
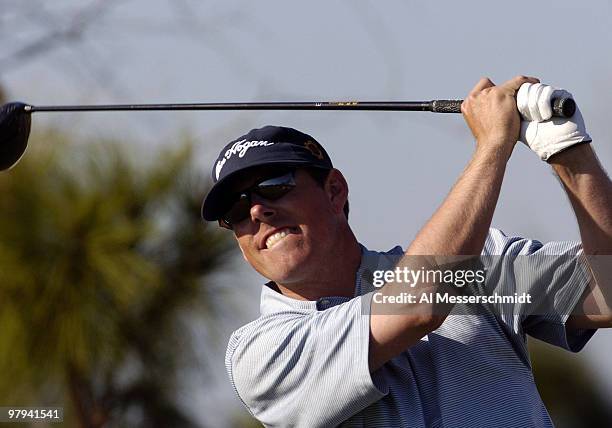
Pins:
x: 102, y: 259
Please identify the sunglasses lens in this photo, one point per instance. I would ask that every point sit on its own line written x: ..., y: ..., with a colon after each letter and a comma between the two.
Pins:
x: 271, y: 189
x: 275, y: 188
x: 238, y: 212
x: 273, y: 193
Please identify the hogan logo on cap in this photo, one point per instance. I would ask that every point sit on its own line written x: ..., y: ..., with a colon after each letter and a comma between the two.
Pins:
x: 240, y: 148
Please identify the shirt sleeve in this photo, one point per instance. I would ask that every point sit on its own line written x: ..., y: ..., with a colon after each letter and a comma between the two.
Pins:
x: 305, y: 369
x: 554, y: 274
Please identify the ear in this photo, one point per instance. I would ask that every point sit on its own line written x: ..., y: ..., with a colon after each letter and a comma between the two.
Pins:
x: 336, y: 188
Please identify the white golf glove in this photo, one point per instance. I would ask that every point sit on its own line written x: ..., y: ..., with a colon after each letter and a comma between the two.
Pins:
x: 544, y: 134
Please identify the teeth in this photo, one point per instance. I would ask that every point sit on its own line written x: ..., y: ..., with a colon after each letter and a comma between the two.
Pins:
x: 272, y: 240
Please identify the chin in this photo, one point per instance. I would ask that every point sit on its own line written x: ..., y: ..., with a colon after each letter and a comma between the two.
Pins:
x: 289, y: 267
x: 287, y: 273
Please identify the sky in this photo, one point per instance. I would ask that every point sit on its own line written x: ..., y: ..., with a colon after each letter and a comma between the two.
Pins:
x: 399, y: 165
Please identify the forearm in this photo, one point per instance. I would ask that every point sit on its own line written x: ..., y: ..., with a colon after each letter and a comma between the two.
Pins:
x: 590, y: 192
x: 460, y: 225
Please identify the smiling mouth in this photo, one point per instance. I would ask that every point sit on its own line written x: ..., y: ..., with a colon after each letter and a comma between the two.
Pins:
x: 278, y: 236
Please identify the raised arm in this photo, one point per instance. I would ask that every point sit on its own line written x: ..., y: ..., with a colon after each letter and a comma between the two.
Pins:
x: 561, y: 142
x: 460, y: 225
x: 590, y: 192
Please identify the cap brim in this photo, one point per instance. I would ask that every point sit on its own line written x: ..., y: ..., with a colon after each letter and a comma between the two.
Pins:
x: 214, y: 205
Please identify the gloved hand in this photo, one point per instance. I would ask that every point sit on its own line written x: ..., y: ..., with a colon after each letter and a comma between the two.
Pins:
x: 544, y: 134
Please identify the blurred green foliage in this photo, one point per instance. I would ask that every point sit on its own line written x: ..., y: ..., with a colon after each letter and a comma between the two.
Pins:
x: 103, y: 255
x: 568, y: 388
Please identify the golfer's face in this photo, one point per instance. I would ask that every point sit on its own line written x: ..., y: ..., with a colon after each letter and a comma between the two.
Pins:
x: 287, y: 239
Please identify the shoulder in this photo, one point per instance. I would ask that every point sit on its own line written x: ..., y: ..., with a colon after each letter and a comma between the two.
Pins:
x: 305, y: 354
x: 291, y: 326
x: 252, y: 350
x: 266, y: 328
x: 500, y: 243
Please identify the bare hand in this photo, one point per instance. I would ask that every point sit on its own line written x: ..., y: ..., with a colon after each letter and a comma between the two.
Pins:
x: 490, y: 112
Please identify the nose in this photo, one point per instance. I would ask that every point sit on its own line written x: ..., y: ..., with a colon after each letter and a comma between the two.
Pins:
x: 260, y: 209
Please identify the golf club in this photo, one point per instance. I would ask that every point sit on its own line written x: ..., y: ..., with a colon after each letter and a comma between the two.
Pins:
x: 15, y: 117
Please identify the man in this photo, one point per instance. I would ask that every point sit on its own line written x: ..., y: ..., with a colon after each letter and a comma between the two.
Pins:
x: 327, y: 351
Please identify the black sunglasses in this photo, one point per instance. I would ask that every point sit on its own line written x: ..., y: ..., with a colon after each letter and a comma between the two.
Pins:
x: 270, y: 188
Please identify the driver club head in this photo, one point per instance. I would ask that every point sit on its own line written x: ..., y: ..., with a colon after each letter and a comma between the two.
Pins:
x: 14, y: 133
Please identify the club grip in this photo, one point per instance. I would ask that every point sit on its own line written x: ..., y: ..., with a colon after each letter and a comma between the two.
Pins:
x: 561, y: 107
x: 446, y: 106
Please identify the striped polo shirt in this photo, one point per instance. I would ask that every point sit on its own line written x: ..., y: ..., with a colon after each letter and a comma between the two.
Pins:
x: 305, y: 363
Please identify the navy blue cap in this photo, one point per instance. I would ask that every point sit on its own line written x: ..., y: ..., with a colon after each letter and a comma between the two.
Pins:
x: 270, y: 145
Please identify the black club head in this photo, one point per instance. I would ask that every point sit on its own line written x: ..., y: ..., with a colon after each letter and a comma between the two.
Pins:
x: 14, y: 133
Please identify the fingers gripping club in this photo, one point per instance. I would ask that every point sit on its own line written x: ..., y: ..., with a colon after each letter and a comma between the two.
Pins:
x: 541, y: 130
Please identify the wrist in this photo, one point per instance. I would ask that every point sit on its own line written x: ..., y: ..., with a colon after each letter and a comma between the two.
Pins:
x: 578, y: 166
x: 494, y: 150
x: 574, y: 158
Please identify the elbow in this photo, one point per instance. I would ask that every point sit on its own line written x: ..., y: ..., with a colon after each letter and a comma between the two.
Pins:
x: 426, y: 318
x: 587, y: 322
x: 426, y: 323
x: 605, y: 321
x: 433, y: 322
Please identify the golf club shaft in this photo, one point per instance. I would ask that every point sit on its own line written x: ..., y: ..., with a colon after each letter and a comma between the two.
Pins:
x: 562, y: 107
x: 442, y: 106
